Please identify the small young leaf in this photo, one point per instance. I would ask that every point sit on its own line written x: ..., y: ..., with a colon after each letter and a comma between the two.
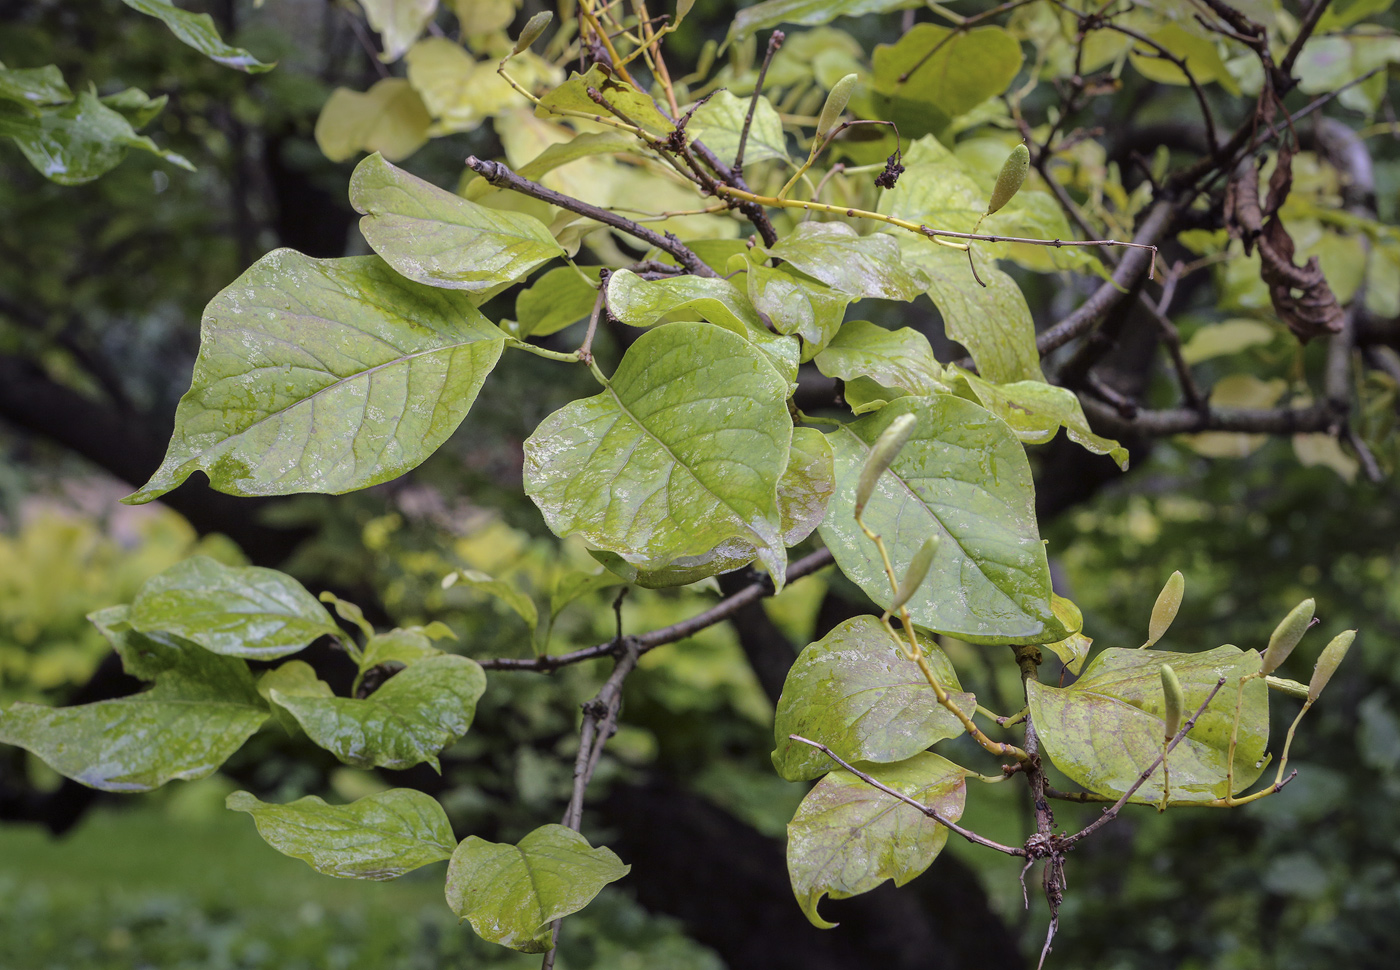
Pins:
x: 511, y: 893
x: 406, y: 722
x: 507, y: 593
x: 854, y: 692
x: 1287, y: 634
x: 848, y: 837
x: 376, y: 837
x: 1331, y: 659
x: 248, y: 612
x: 1164, y: 610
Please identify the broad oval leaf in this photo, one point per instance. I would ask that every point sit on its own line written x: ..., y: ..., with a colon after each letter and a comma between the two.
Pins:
x: 248, y: 612
x: 859, y: 266
x: 441, y: 239
x: 511, y: 893
x: 964, y: 477
x: 378, y: 837
x: 399, y: 23
x: 808, y: 13
x: 389, y: 118
x: 324, y: 375
x: 720, y: 121
x: 682, y: 451
x: 899, y: 359
x: 406, y: 722
x: 197, y: 30
x: 1106, y: 728
x: 854, y: 692
x: 34, y: 85
x: 797, y: 304
x: 848, y: 837
x: 79, y: 141
x: 555, y: 300
x: 200, y: 711
x: 966, y: 67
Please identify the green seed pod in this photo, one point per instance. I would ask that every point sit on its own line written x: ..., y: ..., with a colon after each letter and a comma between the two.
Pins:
x: 1176, y: 701
x: 886, y: 449
x: 533, y: 28
x: 1013, y: 173
x: 836, y: 102
x: 1287, y: 634
x: 1327, y: 664
x: 1164, y: 610
x: 914, y: 576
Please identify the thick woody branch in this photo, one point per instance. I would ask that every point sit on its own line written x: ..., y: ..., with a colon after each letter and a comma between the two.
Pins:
x: 1272, y: 421
x: 502, y: 177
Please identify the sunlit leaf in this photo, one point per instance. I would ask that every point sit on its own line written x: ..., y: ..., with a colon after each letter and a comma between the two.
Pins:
x: 848, y: 836
x: 376, y: 837
x: 808, y: 13
x: 1106, y: 728
x: 719, y: 121
x: 899, y: 359
x: 508, y: 593
x: 197, y: 30
x: 854, y: 692
x: 249, y: 611
x: 682, y: 452
x: 965, y: 69
x: 797, y: 304
x: 1194, y: 46
x: 324, y: 376
x: 200, y: 711
x: 559, y: 298
x: 417, y: 713
x: 964, y: 477
x: 573, y: 95
x: 859, y: 266
x: 1222, y: 339
x: 399, y: 23
x: 389, y: 119
x: 511, y: 893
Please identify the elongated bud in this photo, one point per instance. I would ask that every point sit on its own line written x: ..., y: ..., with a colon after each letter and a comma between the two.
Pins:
x: 1164, y: 610
x: 533, y: 28
x: 1327, y: 664
x: 886, y: 449
x: 1287, y: 634
x: 1013, y: 173
x: 708, y: 53
x: 916, y: 573
x: 836, y: 102
x: 683, y: 8
x: 1176, y: 701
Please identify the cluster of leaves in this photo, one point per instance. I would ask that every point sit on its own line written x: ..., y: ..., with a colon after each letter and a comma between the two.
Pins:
x: 331, y: 375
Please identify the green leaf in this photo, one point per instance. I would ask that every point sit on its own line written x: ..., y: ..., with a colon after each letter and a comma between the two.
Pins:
x: 1194, y: 47
x: 1073, y: 650
x: 1107, y: 727
x: 848, y: 837
x: 441, y: 239
x: 808, y: 13
x: 81, y: 141
x: 324, y: 375
x: 34, y: 86
x: 683, y: 451
x: 507, y: 593
x: 293, y: 677
x: 1229, y: 337
x: 399, y: 23
x: 377, y: 837
x: 406, y: 722
x: 510, y: 894
x: 572, y: 95
x: 558, y: 299
x: 1036, y: 410
x: 133, y: 104
x: 250, y: 612
x: 200, y: 711
x: 797, y: 304
x: 855, y: 693
x: 403, y: 646
x: 964, y: 477
x: 197, y: 30
x: 803, y: 494
x: 860, y: 266
x: 900, y: 358
x: 965, y: 69
x: 389, y: 118
x: 577, y: 583
x: 992, y: 322
x: 642, y: 303
x: 719, y: 121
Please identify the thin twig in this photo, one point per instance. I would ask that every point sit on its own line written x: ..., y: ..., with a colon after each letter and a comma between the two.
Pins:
x: 721, y: 611
x: 775, y: 41
x: 502, y: 177
x: 932, y: 813
x: 1314, y: 14
x: 1110, y: 813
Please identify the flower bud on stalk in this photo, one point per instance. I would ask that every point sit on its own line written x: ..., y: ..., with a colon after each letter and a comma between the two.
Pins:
x: 1287, y: 634
x: 533, y: 28
x: 1165, y: 609
x: 836, y: 103
x: 1327, y: 664
x: 886, y: 449
x: 1176, y: 701
x: 916, y: 573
